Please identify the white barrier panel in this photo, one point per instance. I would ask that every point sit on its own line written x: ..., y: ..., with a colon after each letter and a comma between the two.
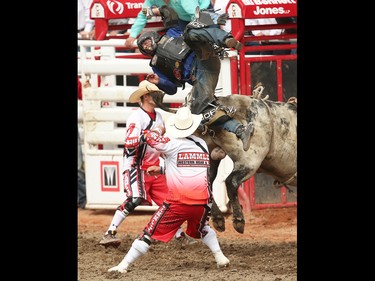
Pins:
x: 105, y: 189
x: 104, y: 117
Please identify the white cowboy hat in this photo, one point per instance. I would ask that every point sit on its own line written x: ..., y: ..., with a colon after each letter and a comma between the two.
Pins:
x: 144, y: 87
x: 183, y: 123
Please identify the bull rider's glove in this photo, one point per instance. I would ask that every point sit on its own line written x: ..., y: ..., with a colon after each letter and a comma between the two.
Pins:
x: 169, y: 16
x: 222, y: 19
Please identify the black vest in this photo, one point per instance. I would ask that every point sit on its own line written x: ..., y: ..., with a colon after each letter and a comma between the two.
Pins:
x: 169, y: 56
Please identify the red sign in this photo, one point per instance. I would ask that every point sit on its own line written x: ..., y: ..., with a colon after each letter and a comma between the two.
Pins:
x: 115, y: 9
x: 262, y: 8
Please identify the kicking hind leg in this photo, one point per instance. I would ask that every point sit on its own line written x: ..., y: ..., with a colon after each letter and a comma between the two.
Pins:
x: 233, y: 181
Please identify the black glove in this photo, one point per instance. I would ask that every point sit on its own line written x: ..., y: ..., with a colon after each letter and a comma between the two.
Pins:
x: 169, y: 16
x: 205, y: 17
x: 222, y: 19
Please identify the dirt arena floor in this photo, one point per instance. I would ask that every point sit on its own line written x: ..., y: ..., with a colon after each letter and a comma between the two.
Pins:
x: 267, y: 251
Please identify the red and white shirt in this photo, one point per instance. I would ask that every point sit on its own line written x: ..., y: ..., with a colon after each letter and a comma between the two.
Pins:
x: 186, y: 168
x: 136, y: 151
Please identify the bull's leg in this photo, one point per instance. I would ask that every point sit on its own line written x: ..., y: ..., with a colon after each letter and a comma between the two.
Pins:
x: 217, y: 217
x: 214, y: 166
x: 232, y: 182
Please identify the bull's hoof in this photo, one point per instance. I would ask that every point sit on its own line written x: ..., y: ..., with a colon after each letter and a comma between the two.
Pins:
x: 239, y: 225
x: 219, y: 224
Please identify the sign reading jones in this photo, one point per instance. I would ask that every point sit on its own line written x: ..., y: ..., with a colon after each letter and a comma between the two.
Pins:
x: 270, y: 8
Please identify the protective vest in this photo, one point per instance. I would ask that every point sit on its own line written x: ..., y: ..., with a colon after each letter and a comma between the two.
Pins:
x: 169, y: 56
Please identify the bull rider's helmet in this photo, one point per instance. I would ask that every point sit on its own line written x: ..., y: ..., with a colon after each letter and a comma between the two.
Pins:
x: 154, y: 36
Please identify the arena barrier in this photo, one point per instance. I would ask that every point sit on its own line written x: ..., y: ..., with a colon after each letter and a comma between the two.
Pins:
x: 105, y: 109
x: 105, y: 98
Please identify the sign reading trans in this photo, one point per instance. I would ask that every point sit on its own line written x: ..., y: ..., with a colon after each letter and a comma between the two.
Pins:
x: 115, y: 9
x: 109, y: 175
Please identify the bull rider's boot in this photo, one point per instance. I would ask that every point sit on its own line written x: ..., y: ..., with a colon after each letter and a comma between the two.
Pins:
x: 231, y: 42
x: 244, y: 132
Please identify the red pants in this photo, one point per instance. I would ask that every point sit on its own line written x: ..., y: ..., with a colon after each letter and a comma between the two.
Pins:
x: 169, y: 217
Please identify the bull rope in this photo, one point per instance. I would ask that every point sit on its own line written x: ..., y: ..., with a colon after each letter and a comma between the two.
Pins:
x: 258, y: 91
x: 257, y: 94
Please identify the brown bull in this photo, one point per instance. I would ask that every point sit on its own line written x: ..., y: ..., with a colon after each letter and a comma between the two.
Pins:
x: 273, y: 148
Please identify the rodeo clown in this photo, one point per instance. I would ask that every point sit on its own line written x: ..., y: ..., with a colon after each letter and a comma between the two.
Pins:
x: 193, y: 56
x: 187, y: 200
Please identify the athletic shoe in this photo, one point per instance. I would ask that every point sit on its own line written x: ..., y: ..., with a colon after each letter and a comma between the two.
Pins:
x: 185, y: 240
x: 110, y: 239
x: 122, y: 267
x: 221, y: 260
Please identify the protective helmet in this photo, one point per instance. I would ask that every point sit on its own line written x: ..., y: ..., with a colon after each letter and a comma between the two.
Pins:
x: 154, y: 36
